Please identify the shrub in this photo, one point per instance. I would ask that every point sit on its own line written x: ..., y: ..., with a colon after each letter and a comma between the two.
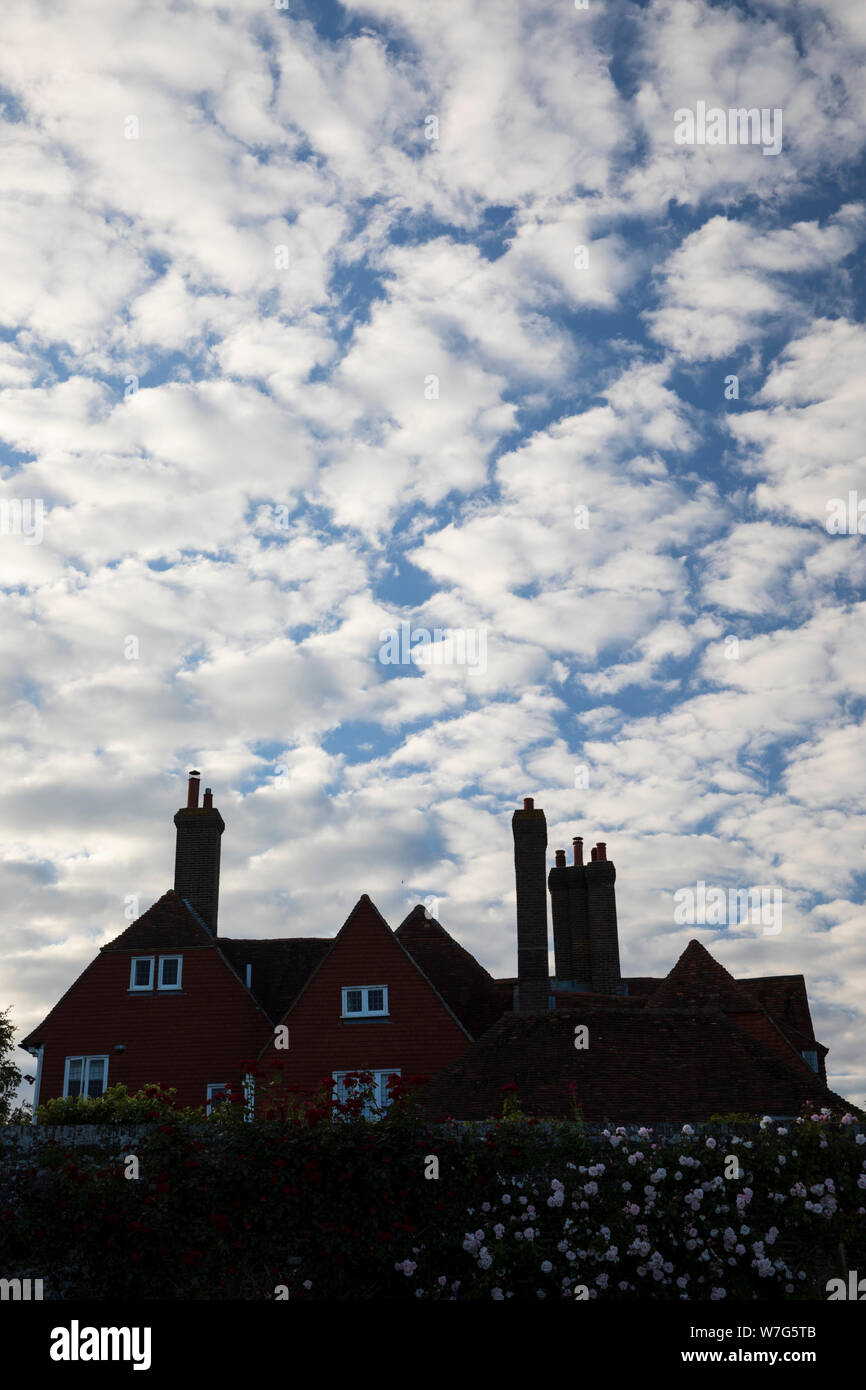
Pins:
x: 343, y: 1208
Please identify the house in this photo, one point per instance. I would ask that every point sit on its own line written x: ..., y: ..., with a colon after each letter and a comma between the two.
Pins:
x: 171, y: 1000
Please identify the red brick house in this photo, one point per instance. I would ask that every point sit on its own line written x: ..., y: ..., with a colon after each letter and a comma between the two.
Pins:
x: 170, y: 1000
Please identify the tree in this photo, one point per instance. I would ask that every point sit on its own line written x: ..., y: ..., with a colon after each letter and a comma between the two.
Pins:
x: 10, y: 1076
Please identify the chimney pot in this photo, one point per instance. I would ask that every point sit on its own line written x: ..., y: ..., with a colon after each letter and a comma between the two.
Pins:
x: 560, y: 858
x: 595, y: 854
x: 192, y: 791
x: 207, y: 801
x: 577, y: 843
x: 602, y: 850
x: 528, y: 803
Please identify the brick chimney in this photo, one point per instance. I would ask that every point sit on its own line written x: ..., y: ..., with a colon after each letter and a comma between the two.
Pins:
x: 581, y: 958
x: 197, y: 856
x: 529, y: 828
x: 583, y: 905
x: 601, y: 916
x: 558, y: 885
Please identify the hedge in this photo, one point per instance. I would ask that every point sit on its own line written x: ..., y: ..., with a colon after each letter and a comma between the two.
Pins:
x: 348, y: 1208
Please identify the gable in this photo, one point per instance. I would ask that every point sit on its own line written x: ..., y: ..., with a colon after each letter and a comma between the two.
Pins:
x: 99, y: 997
x: 365, y: 952
x: 785, y: 998
x: 698, y: 980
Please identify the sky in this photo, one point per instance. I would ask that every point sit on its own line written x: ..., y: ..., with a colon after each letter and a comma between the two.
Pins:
x: 322, y: 320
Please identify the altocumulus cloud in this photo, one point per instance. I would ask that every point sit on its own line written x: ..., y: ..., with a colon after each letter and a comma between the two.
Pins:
x: 312, y: 326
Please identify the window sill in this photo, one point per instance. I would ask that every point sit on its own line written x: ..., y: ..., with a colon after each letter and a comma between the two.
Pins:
x: 367, y: 1018
x: 155, y: 991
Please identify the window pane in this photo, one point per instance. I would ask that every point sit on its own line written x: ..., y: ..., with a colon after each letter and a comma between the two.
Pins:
x: 354, y: 1001
x: 75, y: 1077
x: 95, y: 1076
x: 216, y: 1094
x: 169, y: 972
x: 375, y: 1000
x: 142, y: 972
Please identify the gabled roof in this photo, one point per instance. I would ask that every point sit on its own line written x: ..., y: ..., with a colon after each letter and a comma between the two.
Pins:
x: 281, y: 966
x: 462, y: 981
x: 363, y: 906
x: 170, y: 922
x: 698, y: 981
x: 641, y: 1065
x: 785, y: 998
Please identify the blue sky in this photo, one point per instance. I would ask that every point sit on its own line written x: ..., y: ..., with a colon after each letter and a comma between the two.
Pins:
x: 373, y: 381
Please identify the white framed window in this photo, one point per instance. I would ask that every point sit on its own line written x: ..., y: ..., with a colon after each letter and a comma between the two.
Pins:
x: 84, y: 1077
x: 141, y: 973
x: 217, y: 1094
x: 365, y: 1001
x: 169, y: 972
x: 380, y: 1098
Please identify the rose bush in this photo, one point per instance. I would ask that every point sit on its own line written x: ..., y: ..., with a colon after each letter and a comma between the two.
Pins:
x: 326, y: 1204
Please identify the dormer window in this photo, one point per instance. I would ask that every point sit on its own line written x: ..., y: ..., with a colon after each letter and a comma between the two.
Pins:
x: 141, y: 973
x: 144, y: 970
x: 365, y: 1001
x: 169, y: 972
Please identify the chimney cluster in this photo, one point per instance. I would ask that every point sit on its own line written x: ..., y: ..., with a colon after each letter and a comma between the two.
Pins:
x: 583, y: 908
x: 197, y: 856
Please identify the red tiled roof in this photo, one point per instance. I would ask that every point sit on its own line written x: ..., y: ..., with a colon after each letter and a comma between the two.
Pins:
x: 168, y: 923
x: 467, y: 988
x: 641, y: 1065
x: 566, y: 999
x: 281, y: 966
x: 785, y: 998
x: 699, y: 981
x: 641, y: 986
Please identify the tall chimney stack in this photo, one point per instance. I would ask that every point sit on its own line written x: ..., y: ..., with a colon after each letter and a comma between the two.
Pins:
x: 197, y: 854
x: 581, y: 960
x: 558, y: 884
x: 529, y: 828
x: 601, y: 914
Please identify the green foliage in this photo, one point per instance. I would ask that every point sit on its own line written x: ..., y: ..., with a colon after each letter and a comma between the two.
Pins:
x: 736, y: 1117
x: 10, y: 1076
x: 340, y: 1209
x: 116, y: 1106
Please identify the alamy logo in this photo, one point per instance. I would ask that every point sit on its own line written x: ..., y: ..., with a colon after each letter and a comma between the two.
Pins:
x: 19, y: 1290
x: 854, y: 1290
x: 846, y: 518
x: 444, y: 646
x: 739, y: 126
x: 22, y: 517
x: 715, y: 908
x: 76, y: 1343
